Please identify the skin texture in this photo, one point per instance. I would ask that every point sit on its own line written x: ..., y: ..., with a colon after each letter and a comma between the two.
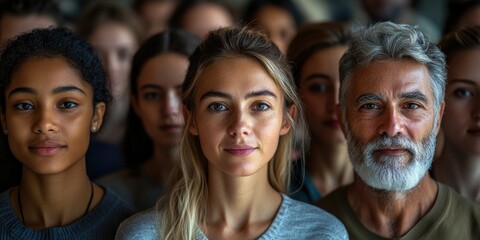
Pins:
x: 279, y: 25
x: 377, y: 104
x: 158, y: 103
x: 328, y: 163
x: 204, y: 18
x: 49, y: 117
x: 238, y: 119
x: 459, y: 164
x: 12, y: 25
x: 116, y: 45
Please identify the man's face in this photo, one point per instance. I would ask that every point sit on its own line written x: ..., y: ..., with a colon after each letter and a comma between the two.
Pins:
x: 391, y: 124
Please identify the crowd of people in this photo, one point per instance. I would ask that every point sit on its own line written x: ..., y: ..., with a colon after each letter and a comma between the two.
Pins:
x: 190, y: 119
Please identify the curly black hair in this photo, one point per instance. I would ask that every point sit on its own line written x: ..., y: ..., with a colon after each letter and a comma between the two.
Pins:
x: 49, y: 43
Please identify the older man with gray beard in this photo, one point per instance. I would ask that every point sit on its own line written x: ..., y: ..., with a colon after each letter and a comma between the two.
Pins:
x: 391, y: 104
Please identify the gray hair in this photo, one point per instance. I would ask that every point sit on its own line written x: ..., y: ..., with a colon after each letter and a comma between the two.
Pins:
x: 387, y: 40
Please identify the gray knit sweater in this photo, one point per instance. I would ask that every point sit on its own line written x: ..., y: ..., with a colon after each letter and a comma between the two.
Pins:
x: 100, y: 223
x: 294, y: 220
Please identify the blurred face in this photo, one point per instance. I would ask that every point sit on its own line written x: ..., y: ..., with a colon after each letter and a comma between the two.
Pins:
x: 155, y: 15
x: 279, y: 24
x: 391, y: 124
x: 116, y: 45
x: 49, y: 115
x: 158, y: 102
x: 204, y: 18
x: 319, y: 86
x: 238, y: 117
x: 470, y: 18
x: 13, y: 25
x: 385, y: 10
x: 461, y: 122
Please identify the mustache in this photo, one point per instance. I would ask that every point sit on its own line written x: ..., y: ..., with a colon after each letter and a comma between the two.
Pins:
x: 398, y: 141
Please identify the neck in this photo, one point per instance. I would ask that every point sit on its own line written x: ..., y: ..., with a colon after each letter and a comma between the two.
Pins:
x: 389, y: 214
x: 53, y: 200
x: 240, y: 206
x: 459, y: 170
x: 161, y: 164
x: 329, y: 166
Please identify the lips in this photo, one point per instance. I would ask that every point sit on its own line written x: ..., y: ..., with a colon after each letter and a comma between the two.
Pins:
x: 332, y: 123
x: 240, y: 150
x: 171, y: 127
x: 46, y: 147
x: 474, y: 131
x: 392, y: 151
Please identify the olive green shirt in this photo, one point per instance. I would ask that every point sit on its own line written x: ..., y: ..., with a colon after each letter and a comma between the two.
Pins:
x: 451, y: 217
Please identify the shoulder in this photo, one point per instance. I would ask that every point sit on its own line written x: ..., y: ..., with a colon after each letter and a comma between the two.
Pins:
x: 143, y: 225
x: 303, y: 218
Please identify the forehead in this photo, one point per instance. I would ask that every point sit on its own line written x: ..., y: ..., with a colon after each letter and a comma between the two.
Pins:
x: 46, y: 73
x: 390, y: 77
x: 235, y: 74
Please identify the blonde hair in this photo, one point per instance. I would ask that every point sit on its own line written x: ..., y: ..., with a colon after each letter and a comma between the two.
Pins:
x: 184, y: 206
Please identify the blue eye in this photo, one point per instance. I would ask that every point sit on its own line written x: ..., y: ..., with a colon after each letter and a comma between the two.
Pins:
x: 24, y: 106
x: 370, y: 106
x: 68, y: 105
x: 217, y: 107
x: 462, y: 93
x: 261, y: 107
x: 412, y: 106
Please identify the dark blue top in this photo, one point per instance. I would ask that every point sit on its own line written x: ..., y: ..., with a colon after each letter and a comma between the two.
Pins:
x: 100, y: 223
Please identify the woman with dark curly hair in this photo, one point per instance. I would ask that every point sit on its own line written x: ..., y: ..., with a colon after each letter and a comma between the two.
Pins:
x: 53, y: 96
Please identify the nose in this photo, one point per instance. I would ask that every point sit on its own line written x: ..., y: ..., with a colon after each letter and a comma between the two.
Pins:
x: 45, y: 122
x: 172, y: 103
x: 333, y: 100
x: 476, y: 110
x: 391, y: 122
x: 239, y: 125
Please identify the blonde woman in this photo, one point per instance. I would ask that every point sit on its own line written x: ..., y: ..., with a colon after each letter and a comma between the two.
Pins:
x: 241, y: 111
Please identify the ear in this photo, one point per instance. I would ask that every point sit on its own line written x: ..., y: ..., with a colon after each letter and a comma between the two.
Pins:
x: 134, y: 103
x: 3, y: 121
x: 338, y: 111
x: 286, y: 125
x: 192, y: 125
x: 98, y: 114
x: 440, y: 116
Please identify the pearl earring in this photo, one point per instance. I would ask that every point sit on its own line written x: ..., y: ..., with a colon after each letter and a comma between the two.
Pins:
x: 94, y: 129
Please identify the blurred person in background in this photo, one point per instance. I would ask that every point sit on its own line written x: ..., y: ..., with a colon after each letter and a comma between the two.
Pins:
x: 155, y: 14
x: 459, y: 163
x: 115, y: 32
x: 315, y: 52
x: 155, y: 121
x: 280, y: 19
x: 202, y: 16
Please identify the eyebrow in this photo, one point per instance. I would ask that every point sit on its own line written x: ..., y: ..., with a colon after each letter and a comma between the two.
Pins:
x: 415, y: 95
x: 376, y: 97
x: 317, y: 75
x: 54, y: 91
x: 147, y: 86
x: 465, y: 81
x: 228, y: 96
x: 368, y: 97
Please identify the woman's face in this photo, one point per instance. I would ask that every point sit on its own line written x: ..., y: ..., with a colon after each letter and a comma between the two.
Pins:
x: 158, y: 103
x: 279, y: 24
x: 238, y: 116
x: 319, y: 85
x: 205, y: 17
x: 116, y: 45
x: 49, y: 115
x: 461, y: 120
